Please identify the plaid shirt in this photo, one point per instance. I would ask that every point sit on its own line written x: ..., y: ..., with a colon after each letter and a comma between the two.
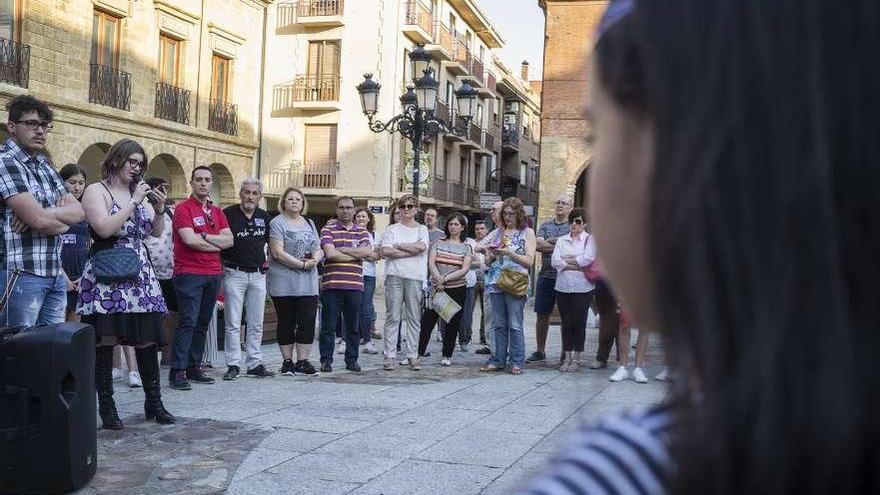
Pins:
x: 30, y: 252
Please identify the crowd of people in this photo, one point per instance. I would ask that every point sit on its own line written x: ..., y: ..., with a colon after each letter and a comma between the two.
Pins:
x: 147, y: 275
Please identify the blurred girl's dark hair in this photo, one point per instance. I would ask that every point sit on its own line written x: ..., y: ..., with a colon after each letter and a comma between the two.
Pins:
x: 764, y: 234
x: 72, y: 169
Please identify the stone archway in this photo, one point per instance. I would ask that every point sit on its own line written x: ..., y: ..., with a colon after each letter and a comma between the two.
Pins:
x: 581, y: 185
x: 169, y: 168
x: 91, y: 159
x: 223, y: 192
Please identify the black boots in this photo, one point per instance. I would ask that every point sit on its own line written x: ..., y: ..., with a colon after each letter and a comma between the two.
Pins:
x: 104, y: 386
x: 148, y: 364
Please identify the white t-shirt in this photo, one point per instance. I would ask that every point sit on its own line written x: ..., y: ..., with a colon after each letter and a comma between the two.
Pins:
x: 370, y: 266
x: 411, y: 267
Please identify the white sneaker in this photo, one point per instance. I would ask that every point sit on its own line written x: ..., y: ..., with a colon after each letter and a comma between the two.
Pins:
x: 445, y: 362
x: 340, y: 348
x: 370, y: 348
x: 620, y: 375
x: 404, y: 362
x: 134, y: 380
x: 663, y: 375
x: 117, y: 373
x: 639, y: 376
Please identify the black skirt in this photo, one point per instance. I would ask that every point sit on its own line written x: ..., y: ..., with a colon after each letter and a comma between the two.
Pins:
x: 129, y: 328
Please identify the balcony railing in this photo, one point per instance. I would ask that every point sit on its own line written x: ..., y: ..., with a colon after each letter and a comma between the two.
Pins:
x: 418, y: 15
x: 440, y: 189
x: 172, y: 103
x: 289, y: 14
x: 488, y: 140
x: 475, y: 133
x: 443, y: 37
x: 441, y: 111
x: 477, y: 69
x: 223, y: 117
x: 491, y: 82
x: 306, y: 88
x: 457, y: 193
x: 461, y: 53
x: 109, y: 86
x: 510, y: 137
x: 15, y: 62
x: 315, y: 175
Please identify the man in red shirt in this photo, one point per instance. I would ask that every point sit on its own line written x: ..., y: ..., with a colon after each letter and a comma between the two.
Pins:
x: 200, y: 233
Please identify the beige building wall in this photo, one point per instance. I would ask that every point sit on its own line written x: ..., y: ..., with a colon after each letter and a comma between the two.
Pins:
x: 59, y: 34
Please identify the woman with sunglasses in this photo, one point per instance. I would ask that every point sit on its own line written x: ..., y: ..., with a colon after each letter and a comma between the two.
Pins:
x: 405, y: 249
x: 128, y: 312
x: 574, y: 293
x: 513, y: 248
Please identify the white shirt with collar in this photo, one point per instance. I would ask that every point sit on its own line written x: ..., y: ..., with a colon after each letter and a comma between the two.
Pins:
x: 583, y: 248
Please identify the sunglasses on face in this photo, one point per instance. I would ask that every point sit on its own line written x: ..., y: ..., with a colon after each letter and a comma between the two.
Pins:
x: 578, y: 221
x: 408, y: 207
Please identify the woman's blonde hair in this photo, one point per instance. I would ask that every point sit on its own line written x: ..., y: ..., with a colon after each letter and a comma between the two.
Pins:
x: 282, y: 200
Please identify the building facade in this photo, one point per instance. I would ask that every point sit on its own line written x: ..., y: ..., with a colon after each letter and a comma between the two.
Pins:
x: 176, y: 76
x: 315, y: 135
x: 565, y: 151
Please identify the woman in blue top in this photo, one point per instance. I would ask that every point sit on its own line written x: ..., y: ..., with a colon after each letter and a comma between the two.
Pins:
x: 75, y: 242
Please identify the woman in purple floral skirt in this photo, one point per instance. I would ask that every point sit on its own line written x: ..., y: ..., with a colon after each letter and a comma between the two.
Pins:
x: 130, y: 312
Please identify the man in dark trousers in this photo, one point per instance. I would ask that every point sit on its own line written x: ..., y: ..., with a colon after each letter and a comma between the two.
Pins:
x: 201, y: 231
x: 244, y: 280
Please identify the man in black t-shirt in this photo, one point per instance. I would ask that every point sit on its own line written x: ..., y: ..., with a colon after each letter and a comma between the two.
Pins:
x: 244, y: 281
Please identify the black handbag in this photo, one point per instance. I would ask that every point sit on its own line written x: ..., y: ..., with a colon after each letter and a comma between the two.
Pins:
x: 119, y: 264
x: 115, y: 264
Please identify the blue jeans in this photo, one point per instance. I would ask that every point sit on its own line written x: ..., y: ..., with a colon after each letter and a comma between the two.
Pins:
x: 467, y: 316
x: 196, y: 298
x: 507, y: 325
x: 368, y: 312
x: 34, y: 300
x: 333, y: 303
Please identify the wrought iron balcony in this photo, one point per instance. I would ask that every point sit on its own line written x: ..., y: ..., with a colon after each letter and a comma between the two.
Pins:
x: 172, y: 103
x: 510, y: 138
x: 418, y: 23
x: 109, y: 86
x: 457, y: 193
x: 441, y: 111
x: 314, y: 13
x: 223, y: 117
x: 460, y: 65
x: 475, y: 75
x: 306, y: 93
x: 15, y: 62
x: 440, y: 189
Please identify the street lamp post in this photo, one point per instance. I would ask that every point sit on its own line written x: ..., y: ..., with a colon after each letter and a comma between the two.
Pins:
x: 417, y: 122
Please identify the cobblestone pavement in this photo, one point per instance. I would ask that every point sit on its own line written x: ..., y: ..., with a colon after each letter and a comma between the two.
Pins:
x: 436, y: 431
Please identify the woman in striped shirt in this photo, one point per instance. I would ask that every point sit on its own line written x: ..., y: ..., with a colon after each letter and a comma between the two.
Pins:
x: 734, y: 198
x: 448, y: 265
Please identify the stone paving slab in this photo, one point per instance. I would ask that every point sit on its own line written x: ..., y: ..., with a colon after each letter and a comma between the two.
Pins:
x: 440, y: 430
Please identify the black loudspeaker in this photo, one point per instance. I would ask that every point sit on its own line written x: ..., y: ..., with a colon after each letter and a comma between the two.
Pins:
x: 48, y: 427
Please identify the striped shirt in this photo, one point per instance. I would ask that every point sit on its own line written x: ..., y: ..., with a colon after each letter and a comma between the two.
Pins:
x: 20, y: 173
x: 623, y: 454
x: 343, y: 275
x: 449, y: 257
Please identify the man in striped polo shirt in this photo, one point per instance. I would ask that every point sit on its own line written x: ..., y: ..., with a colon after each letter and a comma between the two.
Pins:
x: 345, y: 246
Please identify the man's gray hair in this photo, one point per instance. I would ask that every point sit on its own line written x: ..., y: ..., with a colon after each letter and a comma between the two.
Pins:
x: 251, y: 181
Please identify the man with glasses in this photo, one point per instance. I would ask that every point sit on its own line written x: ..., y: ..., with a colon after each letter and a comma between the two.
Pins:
x: 244, y: 281
x: 201, y: 231
x: 405, y: 247
x: 545, y: 292
x: 345, y: 244
x: 35, y: 209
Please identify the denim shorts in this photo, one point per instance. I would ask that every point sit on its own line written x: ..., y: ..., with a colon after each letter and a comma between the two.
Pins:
x: 545, y: 296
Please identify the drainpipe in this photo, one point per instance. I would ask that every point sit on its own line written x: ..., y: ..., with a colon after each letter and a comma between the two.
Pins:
x: 199, y: 67
x: 259, y: 164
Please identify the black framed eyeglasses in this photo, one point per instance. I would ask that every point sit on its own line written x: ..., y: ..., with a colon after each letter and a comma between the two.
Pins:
x: 36, y: 124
